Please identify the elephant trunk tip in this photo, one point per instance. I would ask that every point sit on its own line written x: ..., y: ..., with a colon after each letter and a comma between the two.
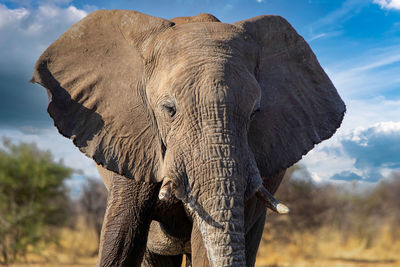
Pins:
x: 270, y: 202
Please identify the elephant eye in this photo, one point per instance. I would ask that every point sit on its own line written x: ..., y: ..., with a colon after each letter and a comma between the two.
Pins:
x: 170, y: 109
x: 254, y: 113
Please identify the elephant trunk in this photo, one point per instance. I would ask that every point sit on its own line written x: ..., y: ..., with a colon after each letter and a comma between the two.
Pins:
x: 217, y: 186
x: 221, y: 223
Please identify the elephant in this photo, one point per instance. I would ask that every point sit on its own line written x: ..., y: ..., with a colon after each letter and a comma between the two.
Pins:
x: 192, y: 123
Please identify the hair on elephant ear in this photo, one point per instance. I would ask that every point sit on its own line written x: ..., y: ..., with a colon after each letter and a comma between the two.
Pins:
x: 88, y: 72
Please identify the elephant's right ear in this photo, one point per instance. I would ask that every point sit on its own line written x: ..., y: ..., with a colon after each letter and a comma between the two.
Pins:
x: 299, y: 105
x: 94, y: 77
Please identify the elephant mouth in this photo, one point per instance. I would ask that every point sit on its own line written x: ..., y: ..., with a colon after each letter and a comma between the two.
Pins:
x: 169, y: 188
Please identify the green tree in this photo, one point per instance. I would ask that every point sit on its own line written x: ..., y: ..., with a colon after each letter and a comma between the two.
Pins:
x: 33, y: 197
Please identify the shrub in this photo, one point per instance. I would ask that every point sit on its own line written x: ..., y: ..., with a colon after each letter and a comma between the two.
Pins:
x: 32, y: 198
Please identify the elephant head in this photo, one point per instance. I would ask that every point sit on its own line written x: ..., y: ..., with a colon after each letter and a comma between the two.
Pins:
x: 205, y: 107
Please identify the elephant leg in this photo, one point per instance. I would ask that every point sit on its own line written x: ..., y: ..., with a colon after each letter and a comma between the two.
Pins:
x: 199, y: 254
x: 126, y: 222
x: 253, y: 238
x: 152, y: 259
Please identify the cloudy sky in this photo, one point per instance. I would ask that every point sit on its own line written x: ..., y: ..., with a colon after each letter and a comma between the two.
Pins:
x: 356, y: 41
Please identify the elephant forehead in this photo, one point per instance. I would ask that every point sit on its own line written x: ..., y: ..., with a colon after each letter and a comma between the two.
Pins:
x: 213, y: 56
x: 214, y: 30
x: 207, y: 39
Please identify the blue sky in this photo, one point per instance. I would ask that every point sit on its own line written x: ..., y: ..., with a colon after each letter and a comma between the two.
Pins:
x: 356, y: 41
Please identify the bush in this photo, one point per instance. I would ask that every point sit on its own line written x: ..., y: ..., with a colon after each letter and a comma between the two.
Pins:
x: 32, y: 198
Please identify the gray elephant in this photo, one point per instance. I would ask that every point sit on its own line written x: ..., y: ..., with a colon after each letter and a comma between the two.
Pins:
x: 192, y: 123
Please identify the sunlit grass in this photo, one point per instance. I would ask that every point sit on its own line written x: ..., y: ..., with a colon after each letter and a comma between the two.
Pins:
x: 327, y: 247
x: 323, y: 247
x: 76, y: 247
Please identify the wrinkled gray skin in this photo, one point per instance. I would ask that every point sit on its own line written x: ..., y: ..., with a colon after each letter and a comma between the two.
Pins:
x: 219, y: 109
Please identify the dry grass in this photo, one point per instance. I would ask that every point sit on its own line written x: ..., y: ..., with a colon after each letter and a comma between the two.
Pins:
x: 323, y: 247
x: 76, y: 248
x: 326, y: 247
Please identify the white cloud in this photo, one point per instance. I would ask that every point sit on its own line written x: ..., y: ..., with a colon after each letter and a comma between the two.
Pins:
x: 387, y: 127
x: 8, y: 16
x: 317, y: 36
x: 47, y: 16
x: 360, y: 135
x: 324, y: 35
x: 365, y: 153
x: 29, y: 31
x: 381, y: 61
x: 322, y: 163
x: 388, y: 4
x: 374, y: 148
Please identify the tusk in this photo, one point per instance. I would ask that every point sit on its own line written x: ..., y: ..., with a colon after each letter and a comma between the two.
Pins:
x: 270, y: 202
x: 166, y: 189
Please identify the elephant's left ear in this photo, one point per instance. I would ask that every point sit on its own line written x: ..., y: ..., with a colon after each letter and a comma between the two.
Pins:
x: 300, y: 107
x: 95, y: 76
